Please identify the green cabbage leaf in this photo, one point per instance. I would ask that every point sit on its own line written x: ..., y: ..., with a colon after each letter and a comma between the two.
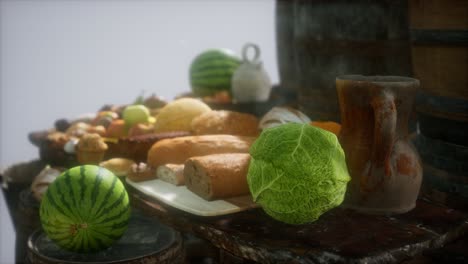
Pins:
x: 297, y: 172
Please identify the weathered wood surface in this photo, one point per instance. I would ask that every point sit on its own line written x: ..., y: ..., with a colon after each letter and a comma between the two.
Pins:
x: 339, y: 236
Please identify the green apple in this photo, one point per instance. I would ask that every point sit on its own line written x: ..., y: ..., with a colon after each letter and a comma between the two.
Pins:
x: 134, y: 114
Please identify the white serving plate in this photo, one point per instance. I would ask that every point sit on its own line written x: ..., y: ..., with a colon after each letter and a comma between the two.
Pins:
x: 183, y: 199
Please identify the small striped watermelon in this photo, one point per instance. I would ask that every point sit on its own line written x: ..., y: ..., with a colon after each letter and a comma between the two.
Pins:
x: 212, y: 70
x: 86, y: 209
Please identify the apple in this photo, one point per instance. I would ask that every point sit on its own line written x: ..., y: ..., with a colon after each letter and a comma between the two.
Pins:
x: 134, y: 114
x: 116, y: 129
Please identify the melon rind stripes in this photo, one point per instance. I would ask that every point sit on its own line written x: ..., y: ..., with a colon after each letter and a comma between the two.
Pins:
x: 86, y: 209
x: 211, y: 72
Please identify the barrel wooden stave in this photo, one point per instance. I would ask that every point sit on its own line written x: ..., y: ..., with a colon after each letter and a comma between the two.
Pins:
x: 445, y: 174
x: 320, y: 40
x: 439, y: 35
x: 442, y: 69
x: 27, y: 215
x: 438, y: 14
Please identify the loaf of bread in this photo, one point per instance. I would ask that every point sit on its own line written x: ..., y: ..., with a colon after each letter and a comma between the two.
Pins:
x: 217, y: 176
x: 171, y: 173
x: 225, y: 122
x: 178, y: 150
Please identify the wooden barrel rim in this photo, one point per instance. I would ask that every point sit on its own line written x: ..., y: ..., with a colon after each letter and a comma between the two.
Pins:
x: 172, y: 252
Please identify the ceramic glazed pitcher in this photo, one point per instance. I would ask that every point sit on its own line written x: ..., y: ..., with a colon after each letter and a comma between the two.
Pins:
x: 385, y: 168
x: 250, y: 82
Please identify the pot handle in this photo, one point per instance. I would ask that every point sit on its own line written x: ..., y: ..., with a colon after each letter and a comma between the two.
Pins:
x: 385, y: 118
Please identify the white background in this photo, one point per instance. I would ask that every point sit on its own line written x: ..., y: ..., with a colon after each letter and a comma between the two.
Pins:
x: 65, y: 58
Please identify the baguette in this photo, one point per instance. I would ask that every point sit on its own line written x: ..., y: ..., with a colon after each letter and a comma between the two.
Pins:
x: 171, y: 173
x: 178, y: 150
x: 217, y: 176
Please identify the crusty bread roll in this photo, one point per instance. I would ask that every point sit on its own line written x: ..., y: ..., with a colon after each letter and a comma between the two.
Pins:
x: 217, y: 176
x: 225, y: 122
x: 171, y: 173
x: 119, y: 166
x: 178, y: 150
x: 42, y: 181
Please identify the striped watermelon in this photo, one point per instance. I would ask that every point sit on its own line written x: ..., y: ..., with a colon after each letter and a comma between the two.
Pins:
x: 86, y: 209
x: 212, y: 70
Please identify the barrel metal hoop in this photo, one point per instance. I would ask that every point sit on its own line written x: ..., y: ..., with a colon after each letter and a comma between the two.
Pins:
x: 454, y: 108
x: 437, y: 36
x: 367, y: 48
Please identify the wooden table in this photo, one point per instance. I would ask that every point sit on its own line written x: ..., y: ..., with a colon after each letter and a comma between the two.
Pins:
x: 339, y: 236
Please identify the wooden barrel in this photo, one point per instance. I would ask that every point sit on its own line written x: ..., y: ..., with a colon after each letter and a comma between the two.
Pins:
x: 439, y: 36
x: 445, y: 169
x: 320, y: 40
x: 23, y: 208
x: 27, y: 221
x: 443, y: 118
x: 289, y: 76
x: 15, y: 179
x: 145, y: 241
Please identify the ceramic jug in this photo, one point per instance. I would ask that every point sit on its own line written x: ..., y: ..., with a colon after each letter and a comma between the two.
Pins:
x: 250, y: 82
x: 385, y: 168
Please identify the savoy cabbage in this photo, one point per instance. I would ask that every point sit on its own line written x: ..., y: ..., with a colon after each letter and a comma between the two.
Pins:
x: 297, y: 172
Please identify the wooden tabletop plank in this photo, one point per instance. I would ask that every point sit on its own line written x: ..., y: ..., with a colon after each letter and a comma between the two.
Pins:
x: 340, y: 235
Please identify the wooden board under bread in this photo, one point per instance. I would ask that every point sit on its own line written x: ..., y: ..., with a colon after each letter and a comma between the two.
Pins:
x: 183, y: 199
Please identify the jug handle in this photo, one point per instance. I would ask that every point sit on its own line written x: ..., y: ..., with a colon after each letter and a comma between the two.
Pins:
x: 385, y: 118
x: 256, y: 54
